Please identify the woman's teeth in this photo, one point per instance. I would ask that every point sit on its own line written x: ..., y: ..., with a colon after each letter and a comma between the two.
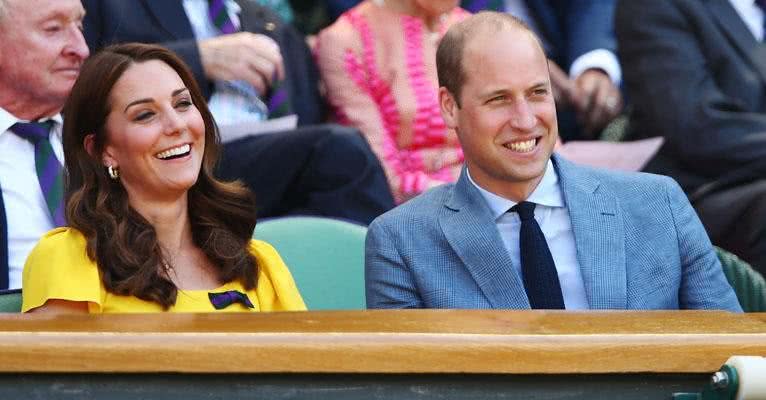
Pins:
x: 175, y: 151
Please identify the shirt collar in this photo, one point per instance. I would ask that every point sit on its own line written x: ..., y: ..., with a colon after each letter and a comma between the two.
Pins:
x: 7, y: 120
x: 742, y: 4
x: 547, y: 193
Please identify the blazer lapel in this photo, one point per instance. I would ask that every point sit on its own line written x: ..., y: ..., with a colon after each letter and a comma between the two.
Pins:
x: 735, y: 29
x: 171, y: 16
x: 599, y: 236
x: 471, y: 232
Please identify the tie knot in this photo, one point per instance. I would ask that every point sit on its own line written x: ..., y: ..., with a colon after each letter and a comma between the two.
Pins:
x: 525, y: 209
x: 33, y: 131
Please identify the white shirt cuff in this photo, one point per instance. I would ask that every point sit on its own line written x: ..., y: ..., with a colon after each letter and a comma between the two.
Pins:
x: 601, y: 59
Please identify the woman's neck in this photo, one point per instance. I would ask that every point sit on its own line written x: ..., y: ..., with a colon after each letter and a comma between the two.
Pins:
x: 410, y: 7
x: 170, y: 221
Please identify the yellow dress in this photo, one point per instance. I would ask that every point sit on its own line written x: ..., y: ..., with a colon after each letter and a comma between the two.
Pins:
x: 59, y: 268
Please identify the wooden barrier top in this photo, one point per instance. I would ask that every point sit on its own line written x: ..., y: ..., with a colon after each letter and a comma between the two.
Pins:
x: 404, y: 341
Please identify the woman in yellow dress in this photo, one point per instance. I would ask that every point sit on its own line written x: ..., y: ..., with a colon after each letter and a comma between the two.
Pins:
x: 150, y: 228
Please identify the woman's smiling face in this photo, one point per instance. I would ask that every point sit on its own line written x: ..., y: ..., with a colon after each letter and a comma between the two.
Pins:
x: 155, y: 134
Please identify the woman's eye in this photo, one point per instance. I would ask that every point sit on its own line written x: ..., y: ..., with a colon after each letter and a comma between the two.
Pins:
x: 183, y: 104
x: 143, y: 116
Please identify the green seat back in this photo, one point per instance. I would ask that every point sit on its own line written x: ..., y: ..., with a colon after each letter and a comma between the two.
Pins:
x: 325, y: 256
x: 10, y: 301
x: 748, y: 284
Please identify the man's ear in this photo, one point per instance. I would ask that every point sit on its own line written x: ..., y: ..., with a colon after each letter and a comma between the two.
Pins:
x: 448, y: 106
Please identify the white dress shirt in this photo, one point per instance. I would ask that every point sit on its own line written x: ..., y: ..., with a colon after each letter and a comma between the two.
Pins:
x: 599, y: 58
x: 752, y: 15
x: 552, y: 215
x: 231, y: 102
x: 26, y: 212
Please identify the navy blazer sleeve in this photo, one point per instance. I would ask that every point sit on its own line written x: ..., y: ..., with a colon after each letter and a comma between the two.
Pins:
x: 590, y: 26
x: 575, y: 27
x: 690, y: 86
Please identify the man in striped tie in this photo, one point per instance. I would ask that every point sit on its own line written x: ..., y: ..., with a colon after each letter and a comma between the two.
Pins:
x: 251, y: 66
x: 42, y: 49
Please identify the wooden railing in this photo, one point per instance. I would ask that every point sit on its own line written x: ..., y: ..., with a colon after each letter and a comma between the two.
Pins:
x: 417, y: 341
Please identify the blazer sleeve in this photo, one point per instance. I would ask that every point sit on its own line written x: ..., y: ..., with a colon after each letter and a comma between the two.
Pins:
x: 589, y: 26
x: 675, y: 92
x: 703, y: 283
x: 389, y: 283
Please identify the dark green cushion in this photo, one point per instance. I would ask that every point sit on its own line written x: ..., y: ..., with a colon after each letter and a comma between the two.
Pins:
x: 748, y: 284
x: 10, y: 301
x: 325, y: 257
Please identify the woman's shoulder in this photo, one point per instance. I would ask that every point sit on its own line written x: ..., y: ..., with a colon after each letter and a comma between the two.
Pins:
x: 276, y: 288
x: 60, y: 242
x: 263, y: 251
x: 59, y: 268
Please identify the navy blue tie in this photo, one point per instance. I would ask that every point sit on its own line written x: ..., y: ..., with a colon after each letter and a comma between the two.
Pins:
x: 537, y: 267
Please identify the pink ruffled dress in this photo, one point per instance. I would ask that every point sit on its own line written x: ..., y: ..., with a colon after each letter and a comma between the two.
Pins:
x: 379, y: 68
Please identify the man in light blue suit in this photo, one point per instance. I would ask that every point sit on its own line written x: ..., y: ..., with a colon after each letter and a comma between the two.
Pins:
x: 524, y: 229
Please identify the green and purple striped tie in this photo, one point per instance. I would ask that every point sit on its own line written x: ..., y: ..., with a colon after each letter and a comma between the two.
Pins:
x: 50, y: 173
x: 278, y: 99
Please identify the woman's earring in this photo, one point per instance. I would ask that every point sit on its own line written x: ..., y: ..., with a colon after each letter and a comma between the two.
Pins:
x: 114, y: 172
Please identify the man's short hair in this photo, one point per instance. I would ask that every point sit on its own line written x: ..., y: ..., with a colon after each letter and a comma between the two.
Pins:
x: 449, y: 54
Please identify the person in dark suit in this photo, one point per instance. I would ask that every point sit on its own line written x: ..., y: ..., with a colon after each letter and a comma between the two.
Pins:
x: 521, y: 229
x: 696, y: 73
x: 327, y: 170
x: 578, y: 37
x: 42, y: 49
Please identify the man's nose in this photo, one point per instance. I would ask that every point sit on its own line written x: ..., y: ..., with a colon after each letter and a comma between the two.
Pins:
x: 76, y: 47
x: 522, y: 115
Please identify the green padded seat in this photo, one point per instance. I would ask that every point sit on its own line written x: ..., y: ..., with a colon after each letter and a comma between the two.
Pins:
x: 748, y: 284
x: 10, y: 301
x: 325, y: 256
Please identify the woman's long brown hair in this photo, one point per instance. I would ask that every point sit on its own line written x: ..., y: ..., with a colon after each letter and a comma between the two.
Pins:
x: 122, y: 242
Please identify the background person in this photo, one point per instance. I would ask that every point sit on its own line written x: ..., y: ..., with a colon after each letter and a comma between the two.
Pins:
x: 696, y: 72
x: 151, y: 229
x: 42, y: 49
x: 378, y: 65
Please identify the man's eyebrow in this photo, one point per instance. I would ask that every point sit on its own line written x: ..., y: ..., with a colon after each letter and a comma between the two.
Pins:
x: 148, y: 100
x: 491, y: 93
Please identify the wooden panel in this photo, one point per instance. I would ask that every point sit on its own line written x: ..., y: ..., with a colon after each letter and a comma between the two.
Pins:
x: 413, y: 341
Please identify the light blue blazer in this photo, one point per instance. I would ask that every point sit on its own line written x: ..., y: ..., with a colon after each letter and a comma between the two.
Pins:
x: 639, y: 243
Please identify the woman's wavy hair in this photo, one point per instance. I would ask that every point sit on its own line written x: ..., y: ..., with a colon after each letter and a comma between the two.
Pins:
x: 122, y: 242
